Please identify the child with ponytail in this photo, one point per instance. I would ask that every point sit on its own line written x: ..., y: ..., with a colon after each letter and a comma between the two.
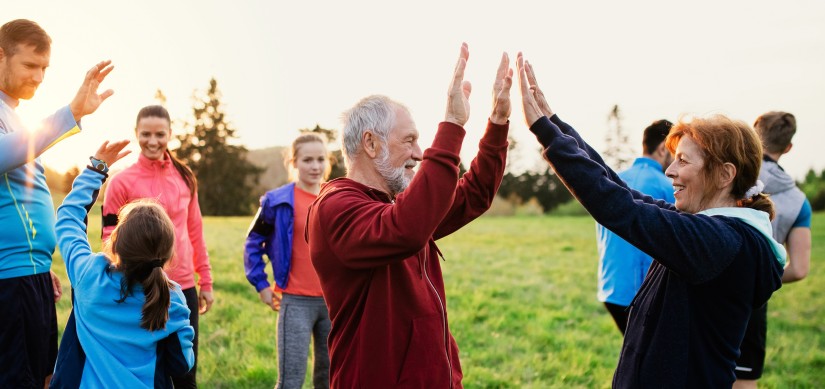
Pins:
x: 130, y: 323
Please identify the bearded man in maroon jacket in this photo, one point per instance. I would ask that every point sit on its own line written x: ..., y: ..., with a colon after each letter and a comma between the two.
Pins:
x: 372, y: 236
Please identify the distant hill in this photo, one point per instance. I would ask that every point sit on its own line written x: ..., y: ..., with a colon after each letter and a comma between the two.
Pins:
x: 271, y: 159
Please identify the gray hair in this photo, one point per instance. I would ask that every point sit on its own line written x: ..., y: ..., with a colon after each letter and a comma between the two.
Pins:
x: 374, y: 113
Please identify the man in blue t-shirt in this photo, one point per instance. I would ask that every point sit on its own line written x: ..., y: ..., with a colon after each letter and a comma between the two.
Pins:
x: 791, y: 227
x: 28, y: 290
x: 622, y: 267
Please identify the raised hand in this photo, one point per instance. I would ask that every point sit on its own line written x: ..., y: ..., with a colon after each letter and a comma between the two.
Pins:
x: 501, y: 92
x: 111, y: 152
x: 537, y: 93
x: 87, y: 99
x: 458, y: 104
x: 532, y: 111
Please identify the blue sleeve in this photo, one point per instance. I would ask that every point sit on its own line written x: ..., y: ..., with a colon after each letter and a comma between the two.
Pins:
x: 72, y: 220
x: 697, y: 247
x: 19, y: 146
x: 260, y: 231
x: 804, y: 218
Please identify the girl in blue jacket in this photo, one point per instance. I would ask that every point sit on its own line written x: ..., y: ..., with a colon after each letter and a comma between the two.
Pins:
x: 278, y: 233
x: 130, y: 324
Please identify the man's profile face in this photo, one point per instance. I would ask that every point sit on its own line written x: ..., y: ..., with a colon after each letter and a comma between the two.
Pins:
x: 22, y: 72
x: 402, y: 152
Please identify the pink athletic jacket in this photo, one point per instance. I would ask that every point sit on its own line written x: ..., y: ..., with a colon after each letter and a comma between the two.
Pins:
x: 159, y: 180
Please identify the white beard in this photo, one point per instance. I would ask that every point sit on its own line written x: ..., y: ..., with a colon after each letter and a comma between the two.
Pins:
x: 396, y: 180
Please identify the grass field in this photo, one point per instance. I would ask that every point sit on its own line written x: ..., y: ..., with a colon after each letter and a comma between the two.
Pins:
x: 522, y: 307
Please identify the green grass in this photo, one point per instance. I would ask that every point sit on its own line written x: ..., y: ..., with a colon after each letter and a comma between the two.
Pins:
x: 522, y: 307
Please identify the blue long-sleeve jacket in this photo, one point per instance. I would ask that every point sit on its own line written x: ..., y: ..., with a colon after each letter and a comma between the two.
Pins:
x: 271, y: 234
x: 105, y: 345
x: 622, y: 267
x: 709, y: 272
x: 26, y: 209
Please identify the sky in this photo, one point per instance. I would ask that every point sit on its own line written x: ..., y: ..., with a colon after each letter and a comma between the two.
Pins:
x: 287, y: 65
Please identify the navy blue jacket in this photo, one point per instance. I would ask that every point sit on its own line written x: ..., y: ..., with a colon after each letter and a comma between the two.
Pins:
x: 271, y: 234
x: 709, y: 272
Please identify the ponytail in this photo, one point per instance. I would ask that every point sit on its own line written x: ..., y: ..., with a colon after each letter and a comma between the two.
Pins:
x: 155, y: 312
x: 185, y: 172
x: 759, y: 202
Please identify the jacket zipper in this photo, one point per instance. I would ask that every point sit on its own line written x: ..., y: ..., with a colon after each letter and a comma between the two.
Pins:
x: 443, y: 319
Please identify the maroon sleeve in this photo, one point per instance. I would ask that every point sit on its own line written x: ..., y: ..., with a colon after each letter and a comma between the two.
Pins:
x: 477, y: 188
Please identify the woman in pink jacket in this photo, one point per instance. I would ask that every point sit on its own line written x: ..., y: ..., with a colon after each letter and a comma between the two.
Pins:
x: 162, y: 177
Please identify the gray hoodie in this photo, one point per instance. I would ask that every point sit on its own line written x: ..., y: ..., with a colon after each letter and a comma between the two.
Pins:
x: 787, y: 198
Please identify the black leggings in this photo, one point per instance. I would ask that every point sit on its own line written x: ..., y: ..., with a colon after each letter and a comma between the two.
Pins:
x: 620, y: 315
x: 188, y: 380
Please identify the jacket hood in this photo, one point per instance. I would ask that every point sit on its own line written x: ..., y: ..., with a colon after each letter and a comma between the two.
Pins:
x: 756, y: 219
x: 776, y: 180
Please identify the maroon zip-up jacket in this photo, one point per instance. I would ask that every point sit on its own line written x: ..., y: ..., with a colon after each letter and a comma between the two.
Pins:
x: 379, y: 268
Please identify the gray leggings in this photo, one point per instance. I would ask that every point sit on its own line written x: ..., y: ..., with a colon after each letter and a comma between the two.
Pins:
x: 300, y: 318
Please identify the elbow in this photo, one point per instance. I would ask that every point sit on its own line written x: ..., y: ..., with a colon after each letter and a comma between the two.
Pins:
x: 792, y: 275
x: 801, y: 274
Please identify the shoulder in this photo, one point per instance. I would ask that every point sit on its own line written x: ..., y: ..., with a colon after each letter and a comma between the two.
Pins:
x: 337, y: 200
x: 121, y: 176
x: 280, y: 195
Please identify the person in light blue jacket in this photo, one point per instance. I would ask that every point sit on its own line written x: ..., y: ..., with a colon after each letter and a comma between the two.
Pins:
x: 622, y: 267
x: 130, y: 324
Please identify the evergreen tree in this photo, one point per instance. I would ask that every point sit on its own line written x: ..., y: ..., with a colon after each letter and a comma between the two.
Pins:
x: 618, y: 155
x: 226, y: 179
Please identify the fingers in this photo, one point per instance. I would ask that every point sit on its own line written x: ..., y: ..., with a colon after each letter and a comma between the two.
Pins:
x: 102, y: 149
x: 503, y: 66
x: 531, y: 76
x: 532, y: 112
x: 111, y: 152
x: 463, y: 56
x: 522, y: 77
x: 105, y: 72
x: 458, y: 105
x: 501, y: 92
x: 121, y: 155
x: 466, y: 88
x: 538, y: 94
x: 105, y: 95
x: 205, y: 305
x: 58, y: 289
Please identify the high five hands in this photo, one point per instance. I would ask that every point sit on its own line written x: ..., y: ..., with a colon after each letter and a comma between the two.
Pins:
x: 533, y: 99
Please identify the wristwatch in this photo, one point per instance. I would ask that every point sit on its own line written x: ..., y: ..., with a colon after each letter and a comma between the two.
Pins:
x: 99, y: 165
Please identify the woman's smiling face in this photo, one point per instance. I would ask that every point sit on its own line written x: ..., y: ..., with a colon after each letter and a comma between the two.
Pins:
x: 687, y: 174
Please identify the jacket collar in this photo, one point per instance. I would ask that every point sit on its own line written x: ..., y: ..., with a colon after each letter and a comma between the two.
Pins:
x: 756, y: 219
x: 10, y: 101
x: 649, y: 162
x: 343, y: 182
x: 154, y: 164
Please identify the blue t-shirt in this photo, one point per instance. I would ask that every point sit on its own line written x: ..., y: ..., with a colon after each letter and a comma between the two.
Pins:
x: 804, y: 217
x: 622, y: 267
